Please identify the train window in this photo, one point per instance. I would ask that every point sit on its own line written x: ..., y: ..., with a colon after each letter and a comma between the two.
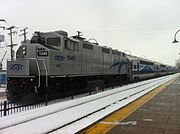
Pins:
x: 53, y: 41
x: 41, y: 41
x: 119, y: 53
x: 115, y: 52
x: 135, y: 67
x: 162, y: 65
x: 71, y: 45
x: 67, y: 44
x: 76, y: 46
x: 123, y: 54
x: 34, y: 39
x: 146, y: 62
x: 87, y: 46
x: 105, y: 50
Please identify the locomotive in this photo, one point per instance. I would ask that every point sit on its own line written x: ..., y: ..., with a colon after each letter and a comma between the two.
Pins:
x: 55, y: 64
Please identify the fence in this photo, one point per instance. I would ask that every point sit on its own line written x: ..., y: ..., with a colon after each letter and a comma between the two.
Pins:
x: 8, y: 108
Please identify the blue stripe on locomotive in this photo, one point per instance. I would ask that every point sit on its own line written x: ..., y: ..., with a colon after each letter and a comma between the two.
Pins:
x: 119, y: 64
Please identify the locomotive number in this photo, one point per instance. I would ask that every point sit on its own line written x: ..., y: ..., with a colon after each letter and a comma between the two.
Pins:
x: 42, y: 53
x: 69, y: 57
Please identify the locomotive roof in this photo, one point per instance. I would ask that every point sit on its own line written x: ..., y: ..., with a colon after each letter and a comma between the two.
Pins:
x: 47, y: 34
x: 72, y: 38
x: 131, y: 57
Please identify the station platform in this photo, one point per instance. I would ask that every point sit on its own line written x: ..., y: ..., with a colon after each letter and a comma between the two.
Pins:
x: 158, y: 112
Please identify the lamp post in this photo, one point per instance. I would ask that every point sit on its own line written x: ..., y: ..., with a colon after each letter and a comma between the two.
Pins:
x: 143, y: 56
x: 93, y: 40
x: 175, y: 41
x: 127, y: 51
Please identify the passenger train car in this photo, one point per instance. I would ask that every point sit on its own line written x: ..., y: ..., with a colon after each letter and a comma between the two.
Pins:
x: 143, y: 68
x: 53, y: 63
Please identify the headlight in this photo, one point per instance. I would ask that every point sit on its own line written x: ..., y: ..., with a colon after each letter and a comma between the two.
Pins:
x: 24, y: 50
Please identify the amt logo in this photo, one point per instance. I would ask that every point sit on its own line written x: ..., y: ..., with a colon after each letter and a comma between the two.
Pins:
x: 15, y: 67
x: 59, y: 58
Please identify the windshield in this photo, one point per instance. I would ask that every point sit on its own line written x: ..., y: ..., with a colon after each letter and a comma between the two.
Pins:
x: 36, y: 39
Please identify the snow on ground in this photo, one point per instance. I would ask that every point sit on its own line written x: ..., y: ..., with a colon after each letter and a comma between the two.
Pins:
x: 55, y: 115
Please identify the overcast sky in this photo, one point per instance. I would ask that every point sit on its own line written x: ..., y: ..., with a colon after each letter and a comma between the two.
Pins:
x: 144, y: 27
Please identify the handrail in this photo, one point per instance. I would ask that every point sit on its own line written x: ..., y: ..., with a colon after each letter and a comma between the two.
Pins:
x: 45, y: 67
x: 39, y: 81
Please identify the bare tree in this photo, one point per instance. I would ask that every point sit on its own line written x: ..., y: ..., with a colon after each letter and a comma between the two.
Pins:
x: 178, y: 64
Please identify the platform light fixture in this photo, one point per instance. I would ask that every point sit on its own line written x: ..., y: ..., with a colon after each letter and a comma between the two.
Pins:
x: 127, y: 51
x: 175, y: 41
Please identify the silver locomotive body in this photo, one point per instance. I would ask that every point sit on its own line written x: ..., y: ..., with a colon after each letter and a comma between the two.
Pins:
x: 53, y: 63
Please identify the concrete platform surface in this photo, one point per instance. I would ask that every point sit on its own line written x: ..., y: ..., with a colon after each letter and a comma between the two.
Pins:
x: 160, y: 115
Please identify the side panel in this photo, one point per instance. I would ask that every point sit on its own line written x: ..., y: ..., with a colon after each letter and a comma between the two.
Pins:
x: 70, y: 64
x: 18, y: 68
x: 56, y: 63
x: 118, y: 65
x: 86, y: 61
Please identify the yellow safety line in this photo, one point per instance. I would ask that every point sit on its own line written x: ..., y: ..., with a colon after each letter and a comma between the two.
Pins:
x: 121, y: 114
x: 4, y: 97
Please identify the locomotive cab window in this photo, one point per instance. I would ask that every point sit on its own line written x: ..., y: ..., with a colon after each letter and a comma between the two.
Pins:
x: 54, y: 41
x: 36, y: 39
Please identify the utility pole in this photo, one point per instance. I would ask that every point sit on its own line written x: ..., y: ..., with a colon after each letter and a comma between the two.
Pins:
x: 11, y: 40
x: 24, y: 33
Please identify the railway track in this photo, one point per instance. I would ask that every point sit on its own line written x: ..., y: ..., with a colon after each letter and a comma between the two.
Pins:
x: 75, y: 112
